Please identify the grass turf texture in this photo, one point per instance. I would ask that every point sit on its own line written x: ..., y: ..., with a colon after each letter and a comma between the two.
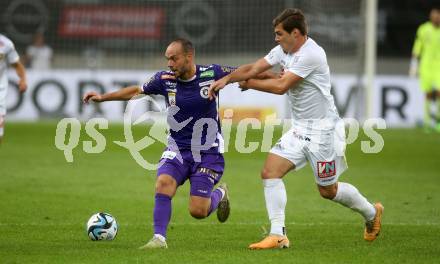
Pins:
x: 45, y: 203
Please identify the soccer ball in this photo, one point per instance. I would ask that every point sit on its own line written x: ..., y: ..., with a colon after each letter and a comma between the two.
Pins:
x: 102, y: 226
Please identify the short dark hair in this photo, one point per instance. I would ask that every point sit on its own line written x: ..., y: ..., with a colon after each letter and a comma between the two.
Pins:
x: 187, y: 45
x: 291, y: 18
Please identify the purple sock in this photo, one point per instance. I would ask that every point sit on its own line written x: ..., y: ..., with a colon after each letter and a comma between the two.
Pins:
x: 162, y: 213
x: 216, y: 196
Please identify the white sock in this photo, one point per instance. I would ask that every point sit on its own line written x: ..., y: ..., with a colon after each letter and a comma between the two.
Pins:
x: 350, y: 197
x: 276, y: 199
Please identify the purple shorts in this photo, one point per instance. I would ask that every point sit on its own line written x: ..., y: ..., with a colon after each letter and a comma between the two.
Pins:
x: 202, y: 175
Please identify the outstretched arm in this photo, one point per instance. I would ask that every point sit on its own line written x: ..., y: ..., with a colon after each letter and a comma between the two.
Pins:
x: 243, y: 73
x: 275, y: 86
x: 21, y: 72
x: 123, y: 94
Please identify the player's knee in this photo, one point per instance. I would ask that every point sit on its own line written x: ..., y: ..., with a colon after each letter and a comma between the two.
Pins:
x: 267, y: 173
x: 328, y: 193
x: 165, y: 185
x: 198, y: 212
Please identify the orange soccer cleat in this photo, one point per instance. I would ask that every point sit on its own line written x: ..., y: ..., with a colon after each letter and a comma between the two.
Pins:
x: 372, y: 228
x: 271, y: 241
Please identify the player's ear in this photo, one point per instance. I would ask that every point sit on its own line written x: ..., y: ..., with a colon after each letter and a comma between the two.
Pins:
x: 189, y: 55
x: 295, y: 32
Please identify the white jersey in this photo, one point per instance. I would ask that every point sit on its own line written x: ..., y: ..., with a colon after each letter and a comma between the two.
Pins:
x: 8, y: 55
x: 311, y: 103
x: 40, y: 57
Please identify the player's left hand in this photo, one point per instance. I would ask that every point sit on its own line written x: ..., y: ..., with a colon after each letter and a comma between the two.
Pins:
x: 22, y: 86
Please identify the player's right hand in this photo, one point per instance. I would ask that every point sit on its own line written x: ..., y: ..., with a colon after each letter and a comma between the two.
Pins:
x: 215, y: 87
x: 92, y: 96
x: 413, y: 67
x: 243, y: 86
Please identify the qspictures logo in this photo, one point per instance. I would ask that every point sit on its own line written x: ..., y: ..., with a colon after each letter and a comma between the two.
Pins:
x: 346, y: 132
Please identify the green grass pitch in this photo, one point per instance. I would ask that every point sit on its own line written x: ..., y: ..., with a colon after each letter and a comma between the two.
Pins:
x: 45, y: 203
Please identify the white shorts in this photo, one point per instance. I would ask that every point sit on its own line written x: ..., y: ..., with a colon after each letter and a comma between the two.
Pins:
x: 325, y: 152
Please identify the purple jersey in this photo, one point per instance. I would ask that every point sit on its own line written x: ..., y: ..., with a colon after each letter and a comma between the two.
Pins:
x: 192, y: 117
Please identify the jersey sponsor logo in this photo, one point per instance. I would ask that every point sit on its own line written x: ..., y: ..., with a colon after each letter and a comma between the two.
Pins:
x: 207, y: 74
x: 204, y: 92
x: 326, y: 169
x: 167, y: 77
x: 300, y: 137
x: 226, y: 69
x: 295, y: 59
x: 206, y: 83
x: 172, y: 85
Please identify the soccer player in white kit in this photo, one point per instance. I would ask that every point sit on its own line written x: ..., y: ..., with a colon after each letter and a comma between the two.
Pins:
x: 8, y: 56
x: 317, y: 134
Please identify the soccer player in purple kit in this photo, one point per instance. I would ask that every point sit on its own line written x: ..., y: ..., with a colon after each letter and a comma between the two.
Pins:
x: 195, y: 143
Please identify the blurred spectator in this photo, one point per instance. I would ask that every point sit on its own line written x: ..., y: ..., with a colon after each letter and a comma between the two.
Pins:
x: 9, y: 56
x: 426, y: 63
x: 39, y: 55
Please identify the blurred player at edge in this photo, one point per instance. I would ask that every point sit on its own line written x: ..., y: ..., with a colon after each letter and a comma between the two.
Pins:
x: 185, y: 86
x: 314, y: 136
x: 8, y: 56
x: 426, y: 50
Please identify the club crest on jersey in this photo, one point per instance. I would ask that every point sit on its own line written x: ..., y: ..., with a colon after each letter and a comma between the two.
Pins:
x: 204, y: 92
x: 326, y: 169
x: 172, y: 98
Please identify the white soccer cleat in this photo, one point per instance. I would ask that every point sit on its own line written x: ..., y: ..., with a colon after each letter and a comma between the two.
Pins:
x: 155, y: 242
